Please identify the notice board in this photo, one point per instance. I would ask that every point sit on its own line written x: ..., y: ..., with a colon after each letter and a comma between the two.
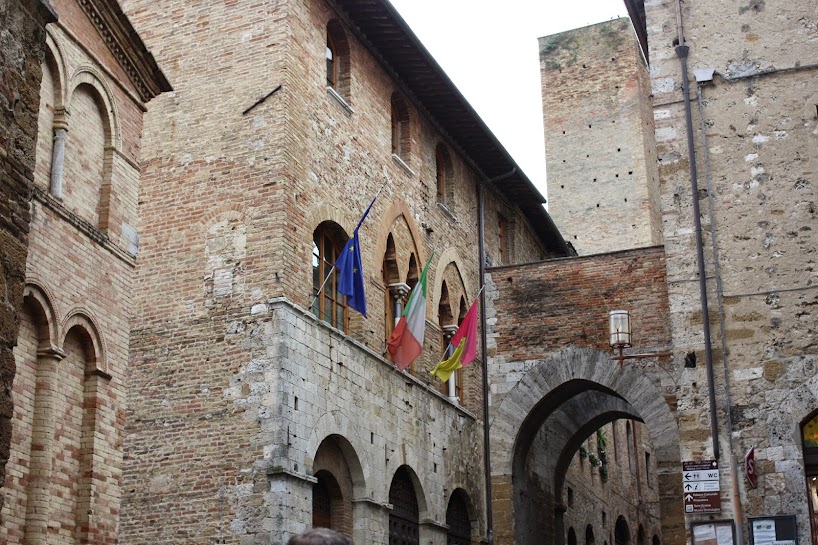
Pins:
x: 778, y: 530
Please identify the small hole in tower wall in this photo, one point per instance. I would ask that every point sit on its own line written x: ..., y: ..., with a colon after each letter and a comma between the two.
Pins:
x: 295, y: 404
x: 372, y: 438
x: 597, y: 205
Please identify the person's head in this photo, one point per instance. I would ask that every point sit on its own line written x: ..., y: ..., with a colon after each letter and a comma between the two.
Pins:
x: 320, y: 536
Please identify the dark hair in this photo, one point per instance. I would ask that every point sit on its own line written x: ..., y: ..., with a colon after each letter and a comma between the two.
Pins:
x: 320, y: 536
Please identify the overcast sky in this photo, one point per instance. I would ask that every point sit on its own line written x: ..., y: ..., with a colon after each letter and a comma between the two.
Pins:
x: 489, y: 50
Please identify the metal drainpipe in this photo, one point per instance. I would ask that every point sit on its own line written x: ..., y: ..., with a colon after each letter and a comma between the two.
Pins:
x: 682, y: 51
x: 738, y: 511
x: 483, y: 347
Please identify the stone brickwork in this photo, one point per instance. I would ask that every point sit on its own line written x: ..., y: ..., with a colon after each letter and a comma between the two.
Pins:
x: 754, y: 131
x: 553, y: 385
x: 239, y: 401
x: 600, y: 149
x: 753, y: 128
x: 22, y: 39
x: 64, y: 472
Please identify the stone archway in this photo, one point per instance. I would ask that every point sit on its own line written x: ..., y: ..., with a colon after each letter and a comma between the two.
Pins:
x: 557, y: 402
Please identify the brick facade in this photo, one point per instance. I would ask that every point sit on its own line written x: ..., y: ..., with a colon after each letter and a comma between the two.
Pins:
x: 21, y: 55
x: 553, y: 386
x: 252, y: 401
x: 64, y: 471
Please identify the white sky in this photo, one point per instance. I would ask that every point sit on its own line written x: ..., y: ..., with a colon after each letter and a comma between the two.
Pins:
x: 489, y: 50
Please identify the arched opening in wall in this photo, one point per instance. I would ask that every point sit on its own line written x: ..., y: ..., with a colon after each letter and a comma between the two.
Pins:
x: 391, y: 279
x: 458, y: 519
x: 629, y: 444
x: 809, y: 441
x: 622, y: 533
x: 73, y: 435
x: 656, y: 541
x: 338, y: 470
x: 555, y: 406
x: 444, y: 176
x: 401, y: 138
x: 411, y: 281
x: 85, y: 154
x: 589, y: 535
x: 331, y: 306
x: 640, y: 536
x: 403, y: 519
x: 445, y: 321
x: 337, y: 57
x: 45, y: 122
x: 572, y: 536
x: 29, y: 455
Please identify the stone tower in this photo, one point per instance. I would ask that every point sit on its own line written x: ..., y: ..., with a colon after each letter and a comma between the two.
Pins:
x: 603, y: 186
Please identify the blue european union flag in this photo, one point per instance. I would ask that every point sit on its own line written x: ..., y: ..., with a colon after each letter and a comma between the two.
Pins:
x: 351, y: 274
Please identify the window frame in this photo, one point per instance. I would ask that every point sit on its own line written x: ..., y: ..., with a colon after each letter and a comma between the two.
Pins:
x: 328, y: 233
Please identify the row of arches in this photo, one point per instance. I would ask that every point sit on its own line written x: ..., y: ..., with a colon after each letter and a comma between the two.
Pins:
x: 401, y: 265
x: 621, y: 535
x: 78, y: 134
x: 63, y: 409
x: 339, y: 480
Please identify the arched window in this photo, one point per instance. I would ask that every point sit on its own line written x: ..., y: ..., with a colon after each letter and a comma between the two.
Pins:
x: 337, y: 57
x: 400, y: 128
x: 85, y: 154
x: 589, y: 535
x: 572, y: 536
x: 629, y: 446
x: 403, y: 519
x: 458, y: 521
x: 640, y: 536
x: 328, y: 241
x: 443, y: 174
x: 656, y: 540
x: 622, y: 534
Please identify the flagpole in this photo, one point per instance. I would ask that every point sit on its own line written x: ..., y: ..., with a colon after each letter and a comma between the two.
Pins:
x: 318, y: 293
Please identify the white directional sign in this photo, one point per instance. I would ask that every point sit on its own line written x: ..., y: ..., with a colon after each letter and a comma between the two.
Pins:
x: 701, y: 486
x: 709, y: 475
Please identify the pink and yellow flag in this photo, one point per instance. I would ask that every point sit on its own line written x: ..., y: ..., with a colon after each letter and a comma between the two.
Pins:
x: 465, y: 341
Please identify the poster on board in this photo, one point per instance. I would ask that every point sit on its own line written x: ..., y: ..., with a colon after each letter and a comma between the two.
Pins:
x: 713, y: 533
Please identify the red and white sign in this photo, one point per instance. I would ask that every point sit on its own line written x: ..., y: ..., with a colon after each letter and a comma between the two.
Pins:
x: 750, y: 467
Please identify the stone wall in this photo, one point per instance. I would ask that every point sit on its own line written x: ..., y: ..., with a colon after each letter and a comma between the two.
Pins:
x: 754, y: 131
x: 600, y: 149
x: 21, y: 54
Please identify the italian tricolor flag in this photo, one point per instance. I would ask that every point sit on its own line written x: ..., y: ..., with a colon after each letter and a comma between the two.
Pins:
x: 406, y: 342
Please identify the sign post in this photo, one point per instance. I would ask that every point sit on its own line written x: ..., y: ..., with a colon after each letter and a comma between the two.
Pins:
x: 701, y: 486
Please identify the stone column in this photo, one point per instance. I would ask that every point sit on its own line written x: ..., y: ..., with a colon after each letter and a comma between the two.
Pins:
x: 448, y: 333
x: 58, y: 155
x: 370, y: 521
x: 398, y: 292
x: 290, y: 503
x: 42, y: 439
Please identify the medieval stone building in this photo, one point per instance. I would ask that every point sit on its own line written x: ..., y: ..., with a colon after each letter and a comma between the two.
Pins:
x: 742, y: 327
x: 260, y: 404
x: 63, y: 476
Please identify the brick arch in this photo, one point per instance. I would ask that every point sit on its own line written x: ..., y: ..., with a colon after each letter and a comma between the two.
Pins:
x: 54, y: 50
x: 80, y: 318
x: 40, y: 297
x: 467, y: 499
x: 448, y: 256
x: 343, y: 431
x: 326, y: 212
x: 397, y: 209
x: 550, y: 384
x: 89, y: 75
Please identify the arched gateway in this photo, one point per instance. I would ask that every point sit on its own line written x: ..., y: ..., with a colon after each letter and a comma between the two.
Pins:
x: 543, y: 419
